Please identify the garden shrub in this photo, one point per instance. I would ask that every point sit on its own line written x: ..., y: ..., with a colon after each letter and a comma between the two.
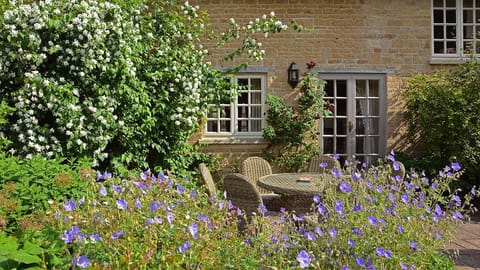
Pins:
x: 5, y: 110
x: 292, y: 131
x: 443, y: 113
x: 124, y: 83
x: 364, y: 219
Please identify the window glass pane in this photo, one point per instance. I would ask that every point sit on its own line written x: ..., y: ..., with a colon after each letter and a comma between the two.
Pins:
x: 341, y: 107
x: 361, y: 88
x: 468, y: 16
x: 450, y: 3
x: 373, y: 88
x: 243, y: 82
x: 242, y: 125
x: 256, y: 111
x: 256, y: 125
x: 451, y: 47
x: 243, y: 98
x: 438, y: 3
x: 451, y: 16
x: 242, y: 112
x: 438, y: 16
x: 468, y: 32
x: 359, y: 145
x: 212, y: 126
x: 329, y: 88
x: 468, y: 47
x: 438, y: 32
x: 341, y: 126
x: 477, y: 16
x: 256, y: 84
x: 467, y: 3
x: 328, y: 126
x: 438, y: 47
x: 256, y: 98
x: 477, y: 3
x: 225, y: 112
x: 225, y: 125
x: 341, y: 88
x: 451, y: 31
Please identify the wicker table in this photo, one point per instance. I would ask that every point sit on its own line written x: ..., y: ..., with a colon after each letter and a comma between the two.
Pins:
x: 289, y: 184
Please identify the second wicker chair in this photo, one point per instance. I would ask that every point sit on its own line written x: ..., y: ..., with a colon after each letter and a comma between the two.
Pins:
x: 323, y: 164
x: 254, y: 168
x: 207, y: 179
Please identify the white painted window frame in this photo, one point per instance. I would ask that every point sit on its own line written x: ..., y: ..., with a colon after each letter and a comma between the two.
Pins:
x: 459, y: 55
x: 235, y: 129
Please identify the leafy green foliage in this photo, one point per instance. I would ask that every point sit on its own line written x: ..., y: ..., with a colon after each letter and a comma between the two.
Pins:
x: 124, y: 83
x: 5, y: 111
x: 292, y: 132
x: 12, y: 256
x: 27, y: 186
x: 443, y: 113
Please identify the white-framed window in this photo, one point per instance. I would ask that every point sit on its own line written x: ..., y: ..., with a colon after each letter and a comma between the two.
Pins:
x: 245, y: 116
x: 455, y: 28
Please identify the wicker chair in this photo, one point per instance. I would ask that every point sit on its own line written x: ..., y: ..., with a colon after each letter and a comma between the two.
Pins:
x: 207, y: 179
x: 314, y: 165
x: 254, y: 168
x: 242, y: 193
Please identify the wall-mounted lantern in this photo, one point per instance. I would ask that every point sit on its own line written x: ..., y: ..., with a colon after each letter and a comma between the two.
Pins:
x: 293, y: 75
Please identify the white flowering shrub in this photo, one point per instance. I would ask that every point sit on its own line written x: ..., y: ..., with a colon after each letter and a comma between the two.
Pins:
x: 122, y: 82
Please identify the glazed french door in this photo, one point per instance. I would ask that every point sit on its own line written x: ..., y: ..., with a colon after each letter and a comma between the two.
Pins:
x: 357, y: 128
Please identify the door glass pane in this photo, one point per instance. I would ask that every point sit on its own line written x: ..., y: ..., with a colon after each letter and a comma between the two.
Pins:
x: 373, y: 109
x: 328, y: 127
x: 451, y: 15
x: 242, y: 112
x: 256, y: 84
x: 341, y: 107
x: 341, y: 145
x: 362, y: 106
x: 328, y: 143
x: 359, y: 126
x: 242, y: 125
x: 467, y: 3
x: 329, y: 88
x: 361, y: 88
x: 341, y: 88
x: 373, y: 86
x: 341, y: 126
x: 451, y: 47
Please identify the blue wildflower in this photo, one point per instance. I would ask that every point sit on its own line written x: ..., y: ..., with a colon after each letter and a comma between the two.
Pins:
x: 117, y: 189
x: 122, y: 204
x: 103, y: 191
x: 351, y: 242
x: 456, y: 167
x: 400, y: 228
x: 457, y: 216
x: 170, y: 217
x: 154, y: 206
x: 360, y: 262
x: 82, y: 261
x: 357, y: 231
x: 95, y: 237
x: 69, y: 206
x: 413, y: 245
x: 193, y: 228
x: 103, y: 176
x: 332, y: 232
x: 138, y: 204
x: 116, y: 235
x: 405, y: 198
x: 316, y: 199
x: 357, y: 207
x: 319, y: 231
x: 309, y: 236
x: 372, y: 220
x: 345, y: 187
x: 339, y: 207
x: 323, y: 164
x: 180, y: 189
x: 184, y: 247
x: 303, y: 259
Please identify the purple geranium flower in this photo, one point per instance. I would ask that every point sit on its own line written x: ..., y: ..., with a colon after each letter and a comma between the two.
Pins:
x: 116, y: 235
x: 360, y: 262
x: 69, y: 206
x: 339, y: 207
x: 82, y: 261
x: 193, y: 228
x: 351, y: 242
x: 122, y: 204
x: 138, y: 204
x: 345, y: 187
x: 303, y: 259
x: 332, y: 232
x: 184, y: 247
x: 457, y: 216
x: 456, y: 167
x: 103, y: 191
x: 372, y: 220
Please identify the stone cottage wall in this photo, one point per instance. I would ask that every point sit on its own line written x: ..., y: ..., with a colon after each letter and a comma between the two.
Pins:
x: 357, y: 35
